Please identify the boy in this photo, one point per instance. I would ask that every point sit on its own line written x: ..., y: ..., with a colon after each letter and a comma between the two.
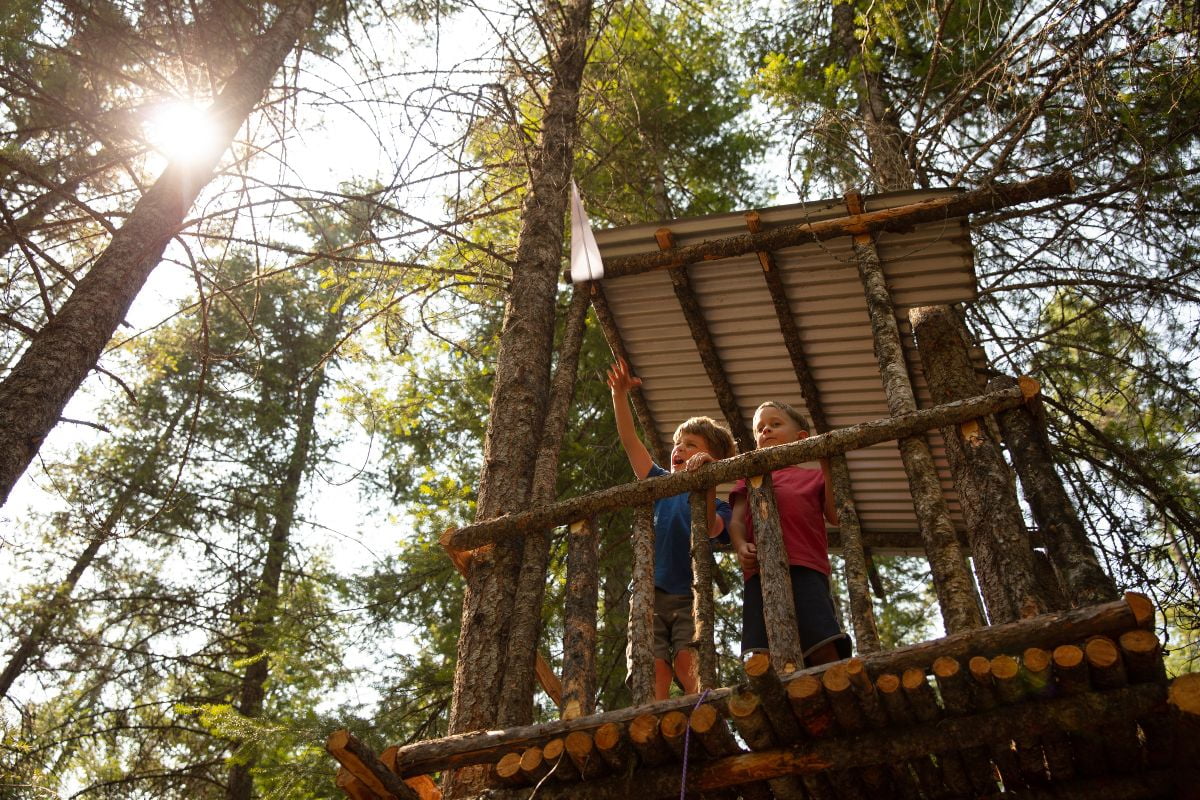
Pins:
x: 698, y: 441
x: 805, y: 501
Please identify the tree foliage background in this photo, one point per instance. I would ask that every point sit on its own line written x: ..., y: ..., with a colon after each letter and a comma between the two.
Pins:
x: 230, y: 545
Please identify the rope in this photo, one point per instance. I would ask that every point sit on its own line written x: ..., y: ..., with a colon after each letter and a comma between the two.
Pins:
x: 687, y: 736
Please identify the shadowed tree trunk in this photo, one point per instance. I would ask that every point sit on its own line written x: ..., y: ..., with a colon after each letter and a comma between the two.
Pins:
x: 62, y: 353
x: 253, y: 689
x: 517, y: 411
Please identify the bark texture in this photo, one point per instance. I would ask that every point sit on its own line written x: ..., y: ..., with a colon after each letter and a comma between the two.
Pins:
x: 517, y: 412
x: 778, y: 606
x: 951, y: 578
x: 703, y: 608
x: 1066, y: 541
x: 1003, y: 556
x: 579, y: 622
x: 641, y: 607
x: 62, y: 353
x: 516, y: 703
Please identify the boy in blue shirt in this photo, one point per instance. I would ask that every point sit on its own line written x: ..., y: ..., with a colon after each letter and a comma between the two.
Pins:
x: 698, y: 441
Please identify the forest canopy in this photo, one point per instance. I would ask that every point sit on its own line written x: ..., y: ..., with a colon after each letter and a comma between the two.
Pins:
x: 257, y: 266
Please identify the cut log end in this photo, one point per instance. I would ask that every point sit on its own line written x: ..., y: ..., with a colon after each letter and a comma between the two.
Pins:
x: 1030, y: 388
x: 757, y: 665
x: 1184, y: 695
x: 1142, y: 608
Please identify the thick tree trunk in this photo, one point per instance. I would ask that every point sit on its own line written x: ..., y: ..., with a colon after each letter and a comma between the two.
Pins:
x: 1066, y: 541
x: 31, y: 642
x: 62, y: 353
x: 1003, y: 556
x: 252, y: 692
x: 516, y: 704
x: 519, y: 398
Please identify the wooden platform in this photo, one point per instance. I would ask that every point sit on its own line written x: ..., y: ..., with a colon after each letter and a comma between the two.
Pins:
x: 1065, y: 705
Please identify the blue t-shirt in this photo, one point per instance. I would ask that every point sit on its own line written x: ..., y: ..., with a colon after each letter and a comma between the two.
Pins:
x: 673, y: 538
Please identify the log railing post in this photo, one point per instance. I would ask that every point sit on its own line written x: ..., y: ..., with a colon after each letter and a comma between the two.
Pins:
x: 703, y: 611
x: 641, y: 608
x: 951, y: 578
x: 1003, y: 556
x: 779, y: 609
x: 862, y: 615
x: 579, y: 635
x: 1084, y: 580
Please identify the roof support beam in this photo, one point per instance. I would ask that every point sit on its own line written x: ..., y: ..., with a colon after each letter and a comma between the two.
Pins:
x: 690, y: 305
x: 901, y: 218
x: 612, y: 334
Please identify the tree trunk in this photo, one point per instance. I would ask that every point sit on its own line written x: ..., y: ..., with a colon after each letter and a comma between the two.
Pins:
x: 986, y: 490
x: 31, y: 642
x: 62, y: 353
x: 518, y: 408
x: 266, y: 607
x: 886, y: 142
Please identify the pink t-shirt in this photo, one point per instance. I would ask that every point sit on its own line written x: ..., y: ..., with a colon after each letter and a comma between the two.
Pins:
x: 800, y: 497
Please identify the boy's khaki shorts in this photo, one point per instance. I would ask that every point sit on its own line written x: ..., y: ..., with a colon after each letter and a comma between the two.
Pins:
x: 674, y: 629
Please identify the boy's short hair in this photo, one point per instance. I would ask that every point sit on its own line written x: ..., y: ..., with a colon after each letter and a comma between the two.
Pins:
x: 796, y: 414
x: 720, y: 440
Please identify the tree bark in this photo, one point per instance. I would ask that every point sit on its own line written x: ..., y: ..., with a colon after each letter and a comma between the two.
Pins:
x: 986, y: 490
x: 703, y: 608
x: 62, y: 353
x: 517, y: 413
x: 1066, y: 540
x: 252, y: 693
x: 779, y: 608
x: 579, y: 622
x: 516, y: 704
x: 951, y: 579
x: 641, y: 607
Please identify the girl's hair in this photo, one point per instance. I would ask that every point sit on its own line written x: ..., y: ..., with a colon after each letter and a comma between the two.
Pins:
x: 796, y: 414
x: 720, y: 440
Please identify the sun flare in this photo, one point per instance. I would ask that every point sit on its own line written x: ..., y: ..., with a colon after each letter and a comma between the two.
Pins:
x: 181, y: 131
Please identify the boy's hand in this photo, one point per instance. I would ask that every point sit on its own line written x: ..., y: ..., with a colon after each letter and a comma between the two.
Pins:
x: 620, y: 380
x: 698, y: 460
x: 747, y: 554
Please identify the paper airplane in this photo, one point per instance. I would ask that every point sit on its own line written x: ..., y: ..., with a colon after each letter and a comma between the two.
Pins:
x: 585, y: 255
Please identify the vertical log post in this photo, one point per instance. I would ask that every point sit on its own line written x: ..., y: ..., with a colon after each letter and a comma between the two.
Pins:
x: 779, y: 608
x: 862, y: 615
x: 951, y: 579
x: 986, y: 489
x: 1024, y: 432
x: 703, y: 610
x: 579, y: 635
x: 641, y: 608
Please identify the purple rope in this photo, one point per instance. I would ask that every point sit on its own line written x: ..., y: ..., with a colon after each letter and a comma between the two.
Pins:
x: 687, y: 736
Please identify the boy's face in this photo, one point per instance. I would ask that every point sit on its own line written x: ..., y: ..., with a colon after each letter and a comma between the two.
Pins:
x: 772, y: 426
x: 686, y: 446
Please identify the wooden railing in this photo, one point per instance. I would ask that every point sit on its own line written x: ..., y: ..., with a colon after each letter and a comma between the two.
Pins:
x: 579, y: 679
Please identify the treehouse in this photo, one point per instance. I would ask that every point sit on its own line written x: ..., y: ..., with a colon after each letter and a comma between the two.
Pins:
x: 1049, y: 683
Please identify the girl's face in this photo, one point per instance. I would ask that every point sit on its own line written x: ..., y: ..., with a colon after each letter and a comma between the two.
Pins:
x: 772, y: 426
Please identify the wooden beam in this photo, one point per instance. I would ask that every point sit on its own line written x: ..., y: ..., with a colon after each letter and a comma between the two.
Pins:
x: 1047, y: 631
x: 363, y: 764
x: 706, y: 348
x: 947, y: 563
x: 641, y: 606
x: 579, y: 621
x: 900, y: 218
x: 703, y: 606
x: 756, y: 462
x: 612, y: 335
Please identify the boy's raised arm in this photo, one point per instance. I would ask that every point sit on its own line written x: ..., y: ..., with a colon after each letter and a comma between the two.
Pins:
x: 621, y: 381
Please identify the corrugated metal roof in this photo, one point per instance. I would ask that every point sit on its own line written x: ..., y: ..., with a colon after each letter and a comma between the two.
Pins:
x: 933, y: 264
